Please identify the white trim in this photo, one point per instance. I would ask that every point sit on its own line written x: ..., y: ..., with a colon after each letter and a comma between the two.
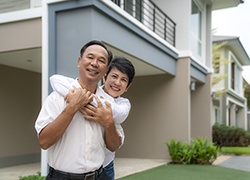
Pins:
x: 54, y: 1
x: 238, y: 70
x: 219, y: 114
x: 243, y: 105
x: 35, y: 3
x: 189, y: 54
x: 21, y: 15
x: 45, y: 66
x: 231, y: 55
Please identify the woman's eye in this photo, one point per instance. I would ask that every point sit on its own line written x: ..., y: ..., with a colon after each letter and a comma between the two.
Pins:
x: 125, y: 80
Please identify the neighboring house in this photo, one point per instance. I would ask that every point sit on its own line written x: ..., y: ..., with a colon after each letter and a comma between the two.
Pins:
x: 230, y: 107
x: 168, y: 41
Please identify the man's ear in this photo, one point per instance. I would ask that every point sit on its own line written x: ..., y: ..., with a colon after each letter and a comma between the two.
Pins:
x: 78, y: 62
x: 104, y: 79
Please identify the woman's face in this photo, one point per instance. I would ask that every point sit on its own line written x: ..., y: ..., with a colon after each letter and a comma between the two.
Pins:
x: 116, y: 83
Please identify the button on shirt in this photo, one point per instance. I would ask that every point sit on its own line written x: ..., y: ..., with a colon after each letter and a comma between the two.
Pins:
x: 81, y: 148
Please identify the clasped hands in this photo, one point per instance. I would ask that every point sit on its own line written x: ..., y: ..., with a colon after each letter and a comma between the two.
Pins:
x: 81, y: 99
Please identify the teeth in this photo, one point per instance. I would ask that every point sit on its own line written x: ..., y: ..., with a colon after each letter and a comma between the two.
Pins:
x: 93, y: 71
x: 116, y: 89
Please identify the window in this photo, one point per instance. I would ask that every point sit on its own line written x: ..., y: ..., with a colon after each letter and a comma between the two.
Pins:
x: 229, y: 115
x: 236, y: 116
x: 232, y: 75
x: 217, y: 114
x: 235, y: 76
x: 196, y: 30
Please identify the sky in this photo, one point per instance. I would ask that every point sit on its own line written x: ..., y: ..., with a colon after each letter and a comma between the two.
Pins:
x: 235, y: 22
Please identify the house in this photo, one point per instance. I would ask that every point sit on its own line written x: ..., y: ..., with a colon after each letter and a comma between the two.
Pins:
x: 230, y: 106
x: 169, y: 42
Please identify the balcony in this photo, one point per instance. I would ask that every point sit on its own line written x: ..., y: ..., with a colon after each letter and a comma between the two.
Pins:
x: 151, y: 16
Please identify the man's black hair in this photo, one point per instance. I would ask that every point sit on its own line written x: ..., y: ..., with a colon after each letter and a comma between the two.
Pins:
x: 123, y: 65
x: 96, y: 42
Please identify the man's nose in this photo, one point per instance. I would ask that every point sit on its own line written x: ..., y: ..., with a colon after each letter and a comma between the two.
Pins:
x: 94, y: 62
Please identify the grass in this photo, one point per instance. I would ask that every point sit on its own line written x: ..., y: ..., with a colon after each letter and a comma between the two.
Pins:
x: 186, y: 172
x: 33, y: 177
x: 195, y: 172
x: 236, y: 150
x: 189, y: 172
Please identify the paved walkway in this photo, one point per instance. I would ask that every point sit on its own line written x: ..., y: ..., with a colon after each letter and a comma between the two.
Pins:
x: 126, y: 166
x: 123, y: 167
x: 235, y: 162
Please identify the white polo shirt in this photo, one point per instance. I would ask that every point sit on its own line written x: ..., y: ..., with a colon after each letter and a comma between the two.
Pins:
x: 81, y: 148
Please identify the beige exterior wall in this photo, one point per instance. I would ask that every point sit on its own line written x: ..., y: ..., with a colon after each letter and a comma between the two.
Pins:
x: 20, y: 95
x: 20, y: 99
x: 160, y: 112
x: 201, y: 114
x: 21, y: 35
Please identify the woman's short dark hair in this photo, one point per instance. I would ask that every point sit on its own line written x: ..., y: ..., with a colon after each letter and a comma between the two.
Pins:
x: 123, y: 65
x: 96, y: 42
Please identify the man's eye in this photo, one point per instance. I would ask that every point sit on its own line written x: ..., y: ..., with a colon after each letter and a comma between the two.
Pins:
x: 90, y: 57
x: 102, y: 61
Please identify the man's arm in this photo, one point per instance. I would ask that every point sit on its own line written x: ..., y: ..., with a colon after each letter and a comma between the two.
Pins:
x: 104, y: 117
x: 50, y: 134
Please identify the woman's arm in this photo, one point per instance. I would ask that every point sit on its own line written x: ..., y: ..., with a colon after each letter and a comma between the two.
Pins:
x: 61, y: 84
x: 120, y: 109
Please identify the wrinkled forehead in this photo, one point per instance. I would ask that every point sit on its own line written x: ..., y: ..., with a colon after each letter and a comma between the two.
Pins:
x: 96, y: 50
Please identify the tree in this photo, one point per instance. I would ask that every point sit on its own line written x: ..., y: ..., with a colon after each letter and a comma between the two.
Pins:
x: 246, y: 87
x: 217, y: 63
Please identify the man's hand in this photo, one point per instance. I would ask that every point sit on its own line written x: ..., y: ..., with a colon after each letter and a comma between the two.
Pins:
x: 104, y: 117
x: 76, y: 99
x: 79, y: 98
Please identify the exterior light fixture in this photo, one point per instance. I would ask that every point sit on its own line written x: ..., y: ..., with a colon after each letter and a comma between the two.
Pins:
x: 192, y: 86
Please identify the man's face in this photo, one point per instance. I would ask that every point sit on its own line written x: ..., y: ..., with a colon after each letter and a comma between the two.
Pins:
x: 93, y: 64
x: 116, y: 83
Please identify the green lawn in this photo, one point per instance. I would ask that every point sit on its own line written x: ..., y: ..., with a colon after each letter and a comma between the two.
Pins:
x: 190, y: 172
x: 195, y: 172
x: 236, y: 150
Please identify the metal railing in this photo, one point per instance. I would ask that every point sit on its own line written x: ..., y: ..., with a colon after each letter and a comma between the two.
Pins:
x: 151, y: 16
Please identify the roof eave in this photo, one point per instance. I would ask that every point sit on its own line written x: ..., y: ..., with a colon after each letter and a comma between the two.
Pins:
x: 237, y: 48
x: 224, y: 4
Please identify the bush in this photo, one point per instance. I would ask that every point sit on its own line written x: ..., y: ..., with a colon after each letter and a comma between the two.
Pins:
x: 199, y: 151
x: 224, y: 135
x: 33, y: 177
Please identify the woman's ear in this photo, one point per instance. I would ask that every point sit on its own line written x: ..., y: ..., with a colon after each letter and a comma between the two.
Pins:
x: 128, y: 87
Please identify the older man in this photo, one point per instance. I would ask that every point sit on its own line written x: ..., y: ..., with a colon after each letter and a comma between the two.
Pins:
x: 75, y: 145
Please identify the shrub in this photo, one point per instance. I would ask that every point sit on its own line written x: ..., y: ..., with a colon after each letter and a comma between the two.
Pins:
x: 33, y: 177
x: 224, y: 135
x: 199, y: 151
